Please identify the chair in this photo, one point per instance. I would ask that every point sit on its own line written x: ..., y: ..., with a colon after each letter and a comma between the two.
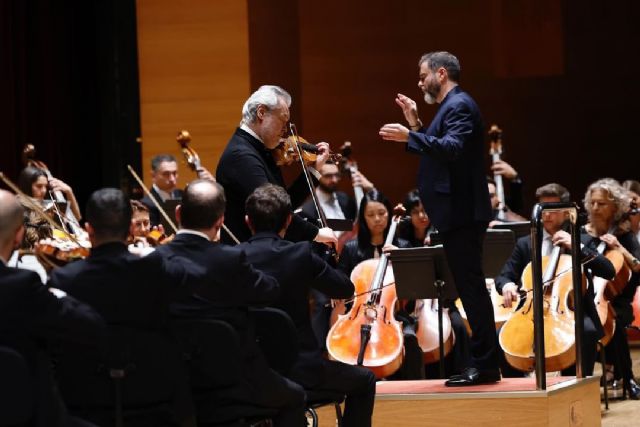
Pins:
x: 210, y: 350
x: 278, y: 338
x: 138, y: 379
x: 16, y: 397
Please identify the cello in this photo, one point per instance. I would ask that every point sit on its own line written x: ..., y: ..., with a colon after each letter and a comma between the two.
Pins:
x: 426, y: 314
x: 517, y: 337
x: 369, y: 335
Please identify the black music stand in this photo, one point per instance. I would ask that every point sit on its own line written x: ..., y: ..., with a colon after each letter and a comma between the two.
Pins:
x: 520, y: 228
x: 497, y: 248
x: 414, y: 269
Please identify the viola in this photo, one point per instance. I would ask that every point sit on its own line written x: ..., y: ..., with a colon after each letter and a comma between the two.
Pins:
x: 368, y: 335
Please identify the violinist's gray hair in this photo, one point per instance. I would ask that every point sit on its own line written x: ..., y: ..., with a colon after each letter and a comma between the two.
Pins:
x: 11, y: 216
x: 267, y: 95
x: 615, y: 193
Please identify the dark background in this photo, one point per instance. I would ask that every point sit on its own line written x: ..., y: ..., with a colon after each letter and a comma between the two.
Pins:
x: 559, y: 77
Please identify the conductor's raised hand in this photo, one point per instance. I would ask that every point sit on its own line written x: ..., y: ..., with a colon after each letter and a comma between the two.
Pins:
x: 409, y: 108
x: 394, y: 132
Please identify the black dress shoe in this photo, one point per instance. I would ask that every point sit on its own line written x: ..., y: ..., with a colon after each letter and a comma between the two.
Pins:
x: 634, y: 390
x: 473, y: 376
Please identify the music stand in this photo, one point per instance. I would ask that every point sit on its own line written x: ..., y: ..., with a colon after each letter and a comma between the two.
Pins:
x: 497, y: 248
x: 337, y: 224
x: 415, y: 267
x: 520, y: 228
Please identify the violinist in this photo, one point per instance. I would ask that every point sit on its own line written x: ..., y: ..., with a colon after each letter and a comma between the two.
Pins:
x: 247, y: 163
x: 606, y: 203
x: 298, y: 270
x: 35, y: 229
x: 34, y: 183
x: 374, y: 221
x: 508, y: 283
x: 418, y: 230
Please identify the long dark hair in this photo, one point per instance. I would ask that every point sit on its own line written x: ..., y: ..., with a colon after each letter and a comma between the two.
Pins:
x: 364, y: 235
x: 27, y: 177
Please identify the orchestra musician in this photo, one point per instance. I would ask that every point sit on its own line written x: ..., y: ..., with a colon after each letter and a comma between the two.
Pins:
x: 298, y: 269
x: 31, y: 315
x: 634, y: 217
x: 34, y: 183
x: 224, y: 285
x: 453, y: 190
x: 164, y: 176
x: 508, y: 283
x: 247, y: 163
x: 374, y: 221
x: 513, y: 203
x: 606, y: 203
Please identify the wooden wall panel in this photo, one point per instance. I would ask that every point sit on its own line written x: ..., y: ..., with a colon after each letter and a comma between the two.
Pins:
x: 194, y: 75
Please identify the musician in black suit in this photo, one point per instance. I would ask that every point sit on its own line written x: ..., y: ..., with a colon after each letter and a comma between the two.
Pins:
x: 164, y: 176
x: 31, y: 315
x: 224, y: 285
x: 247, y: 163
x: 508, y: 283
x: 453, y: 190
x: 299, y: 269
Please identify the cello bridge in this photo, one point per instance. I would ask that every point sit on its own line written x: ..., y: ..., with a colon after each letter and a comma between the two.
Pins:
x: 371, y: 313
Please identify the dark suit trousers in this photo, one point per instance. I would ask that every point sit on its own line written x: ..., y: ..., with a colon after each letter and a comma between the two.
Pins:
x: 463, y: 249
x: 357, y: 383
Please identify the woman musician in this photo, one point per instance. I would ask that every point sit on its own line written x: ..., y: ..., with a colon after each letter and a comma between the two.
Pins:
x: 607, y: 204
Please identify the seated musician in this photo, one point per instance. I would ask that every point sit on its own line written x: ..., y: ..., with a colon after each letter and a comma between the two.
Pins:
x: 606, y: 203
x: 298, y: 269
x: 508, y: 283
x: 164, y: 176
x: 633, y: 187
x: 32, y: 315
x: 35, y: 229
x: 34, y: 183
x: 334, y: 203
x: 374, y: 221
x: 225, y: 286
x: 417, y: 230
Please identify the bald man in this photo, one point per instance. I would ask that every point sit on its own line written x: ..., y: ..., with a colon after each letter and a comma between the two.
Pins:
x: 31, y: 315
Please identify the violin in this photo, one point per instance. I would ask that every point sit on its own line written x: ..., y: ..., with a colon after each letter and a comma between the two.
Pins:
x: 59, y: 251
x: 369, y: 335
x: 286, y: 152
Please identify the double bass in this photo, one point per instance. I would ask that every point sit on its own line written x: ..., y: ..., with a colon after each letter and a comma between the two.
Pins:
x: 495, y: 151
x: 369, y: 335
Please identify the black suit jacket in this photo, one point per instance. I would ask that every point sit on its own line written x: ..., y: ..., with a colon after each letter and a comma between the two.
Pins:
x: 347, y: 204
x: 125, y: 289
x: 521, y: 257
x: 451, y: 179
x: 298, y: 269
x: 245, y: 165
x: 154, y: 213
x: 31, y: 316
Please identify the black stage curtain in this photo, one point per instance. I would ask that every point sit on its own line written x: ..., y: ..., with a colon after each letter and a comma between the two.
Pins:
x: 70, y: 87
